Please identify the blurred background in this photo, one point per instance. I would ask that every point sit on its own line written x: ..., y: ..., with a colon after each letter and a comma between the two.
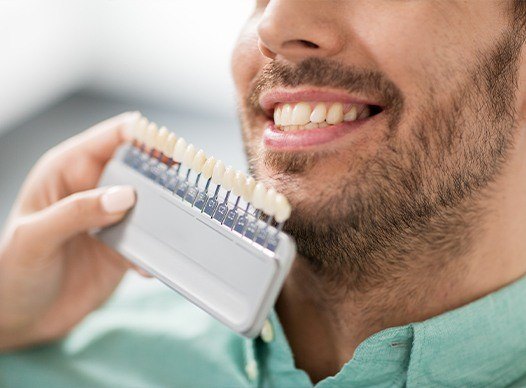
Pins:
x: 68, y: 64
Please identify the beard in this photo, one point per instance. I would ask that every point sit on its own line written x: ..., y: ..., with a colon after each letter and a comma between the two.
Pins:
x: 419, y: 195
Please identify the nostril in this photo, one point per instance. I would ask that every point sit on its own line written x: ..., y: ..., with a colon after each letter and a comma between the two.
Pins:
x: 309, y: 44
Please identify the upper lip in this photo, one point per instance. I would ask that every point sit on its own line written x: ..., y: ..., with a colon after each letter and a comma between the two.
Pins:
x: 268, y: 99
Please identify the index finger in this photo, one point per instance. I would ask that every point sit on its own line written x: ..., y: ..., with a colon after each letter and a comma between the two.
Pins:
x: 100, y: 141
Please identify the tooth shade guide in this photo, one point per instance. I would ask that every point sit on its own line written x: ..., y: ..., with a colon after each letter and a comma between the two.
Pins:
x: 244, y: 187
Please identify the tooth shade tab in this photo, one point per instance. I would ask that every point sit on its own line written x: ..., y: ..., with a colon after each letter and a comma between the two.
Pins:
x: 228, y: 178
x: 239, y: 182
x: 140, y: 129
x: 218, y: 173
x: 189, y: 155
x: 283, y: 210
x: 179, y: 150
x: 162, y: 135
x: 151, y: 135
x: 169, y: 145
x: 208, y: 168
x: 199, y: 161
x: 270, y: 202
x: 258, y: 196
x: 248, y: 189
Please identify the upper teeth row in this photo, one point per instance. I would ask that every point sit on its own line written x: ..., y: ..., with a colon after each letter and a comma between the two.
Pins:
x: 267, y: 200
x: 304, y: 113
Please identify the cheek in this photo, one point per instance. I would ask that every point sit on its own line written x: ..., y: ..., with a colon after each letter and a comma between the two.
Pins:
x: 247, y: 61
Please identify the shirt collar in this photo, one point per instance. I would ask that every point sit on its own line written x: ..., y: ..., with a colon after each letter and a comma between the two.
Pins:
x: 483, y: 342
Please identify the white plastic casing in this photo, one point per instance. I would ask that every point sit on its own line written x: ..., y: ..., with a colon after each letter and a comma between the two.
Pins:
x: 223, y: 273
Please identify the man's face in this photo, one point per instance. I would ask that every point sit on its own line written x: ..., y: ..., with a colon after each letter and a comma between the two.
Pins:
x: 415, y: 113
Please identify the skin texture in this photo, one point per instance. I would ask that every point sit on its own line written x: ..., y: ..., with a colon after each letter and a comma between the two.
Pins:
x: 52, y: 272
x: 419, y: 210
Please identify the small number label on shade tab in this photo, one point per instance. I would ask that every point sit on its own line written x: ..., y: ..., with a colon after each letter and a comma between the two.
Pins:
x: 191, y: 194
x: 181, y: 189
x: 200, y: 201
x: 210, y: 207
x: 241, y: 224
x: 220, y: 213
x: 230, y: 218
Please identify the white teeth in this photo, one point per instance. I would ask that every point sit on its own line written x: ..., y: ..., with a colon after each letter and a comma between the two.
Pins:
x: 248, y: 189
x: 286, y: 115
x: 366, y: 112
x: 319, y: 113
x: 270, y: 202
x: 282, y: 208
x: 199, y: 161
x: 335, y: 114
x: 300, y: 114
x: 169, y: 145
x: 179, y: 150
x: 218, y: 173
x: 151, y: 135
x: 140, y: 129
x: 162, y: 135
x: 239, y: 182
x: 258, y: 196
x: 189, y: 155
x: 351, y: 115
x: 208, y: 168
x: 277, y: 116
x: 228, y: 178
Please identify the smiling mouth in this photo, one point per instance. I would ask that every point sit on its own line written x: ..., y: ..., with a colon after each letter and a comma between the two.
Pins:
x: 313, y: 115
x: 306, y: 118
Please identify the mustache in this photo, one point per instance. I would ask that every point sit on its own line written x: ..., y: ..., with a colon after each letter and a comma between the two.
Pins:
x: 324, y: 72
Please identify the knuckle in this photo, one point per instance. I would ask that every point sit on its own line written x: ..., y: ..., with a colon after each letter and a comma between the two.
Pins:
x: 77, y: 206
x: 18, y: 231
x: 15, y: 239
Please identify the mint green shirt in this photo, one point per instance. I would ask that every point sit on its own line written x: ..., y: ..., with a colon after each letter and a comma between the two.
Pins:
x: 153, y: 338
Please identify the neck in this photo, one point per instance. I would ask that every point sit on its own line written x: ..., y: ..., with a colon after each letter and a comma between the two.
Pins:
x: 324, y: 325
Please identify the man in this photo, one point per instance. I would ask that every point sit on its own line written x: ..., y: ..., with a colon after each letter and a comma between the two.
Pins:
x: 396, y: 129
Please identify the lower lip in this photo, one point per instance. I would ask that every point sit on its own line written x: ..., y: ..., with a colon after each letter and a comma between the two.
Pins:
x: 294, y: 140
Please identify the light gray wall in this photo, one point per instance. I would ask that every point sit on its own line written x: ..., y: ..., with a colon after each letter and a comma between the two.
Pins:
x: 174, y: 54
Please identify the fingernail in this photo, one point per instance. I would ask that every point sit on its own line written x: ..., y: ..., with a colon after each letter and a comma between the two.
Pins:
x: 118, y: 199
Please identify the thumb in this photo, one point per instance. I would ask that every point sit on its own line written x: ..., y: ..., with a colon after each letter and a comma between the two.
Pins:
x: 79, y: 213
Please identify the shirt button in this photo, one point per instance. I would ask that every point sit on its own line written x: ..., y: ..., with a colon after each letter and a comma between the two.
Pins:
x: 252, y: 370
x: 267, y: 332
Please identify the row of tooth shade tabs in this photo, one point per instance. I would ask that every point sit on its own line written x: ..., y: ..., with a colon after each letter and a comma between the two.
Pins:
x: 152, y: 139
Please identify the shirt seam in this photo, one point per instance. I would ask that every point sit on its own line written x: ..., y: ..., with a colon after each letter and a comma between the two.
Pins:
x: 415, y: 358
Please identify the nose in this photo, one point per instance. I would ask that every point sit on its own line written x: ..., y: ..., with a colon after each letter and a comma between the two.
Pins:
x: 294, y: 30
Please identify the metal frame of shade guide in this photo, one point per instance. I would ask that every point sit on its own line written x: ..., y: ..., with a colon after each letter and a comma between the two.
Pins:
x: 223, y: 259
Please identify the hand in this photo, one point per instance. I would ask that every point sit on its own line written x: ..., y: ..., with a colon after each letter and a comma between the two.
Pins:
x: 52, y: 272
